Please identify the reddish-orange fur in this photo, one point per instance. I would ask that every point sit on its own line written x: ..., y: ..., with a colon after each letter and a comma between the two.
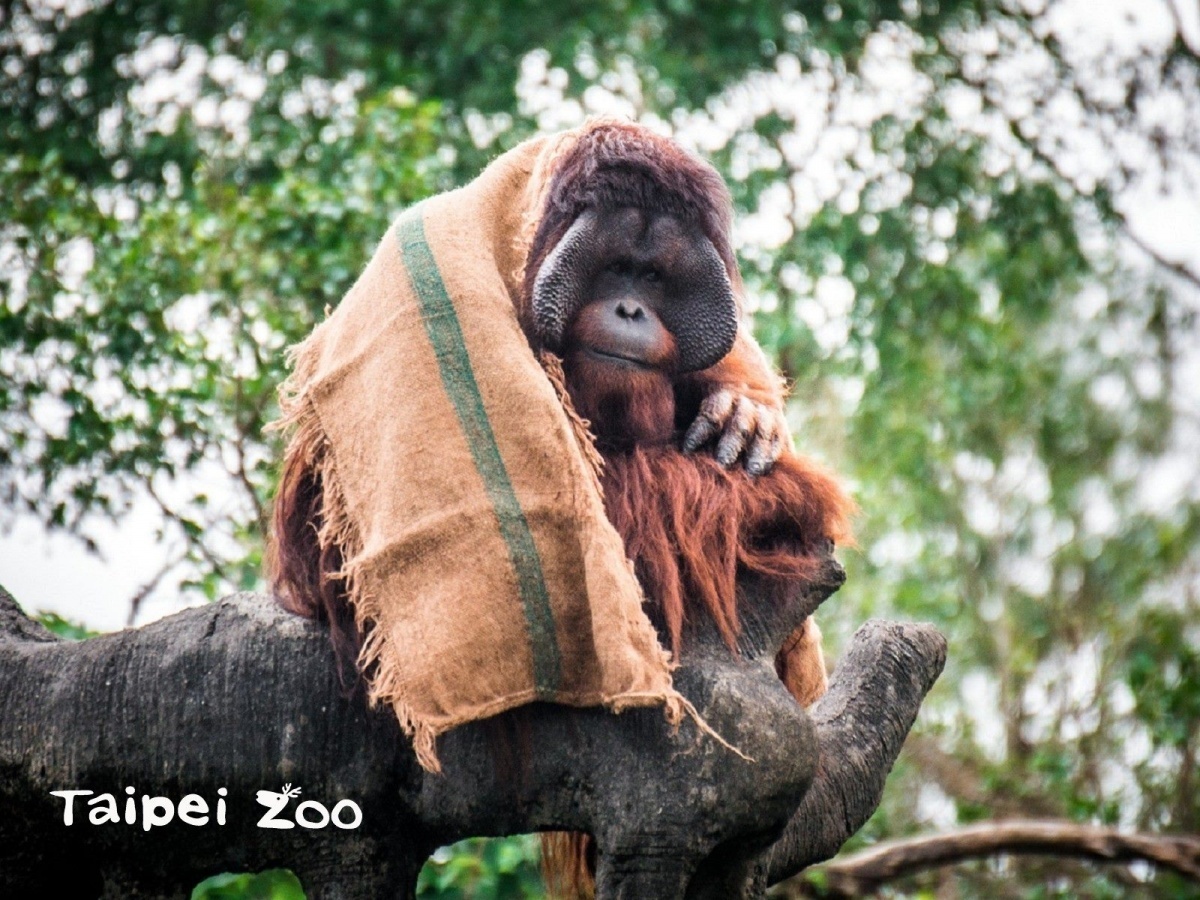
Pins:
x: 303, y: 574
x: 691, y: 526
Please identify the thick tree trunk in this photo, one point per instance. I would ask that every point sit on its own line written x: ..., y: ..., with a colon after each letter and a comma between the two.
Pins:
x: 236, y: 698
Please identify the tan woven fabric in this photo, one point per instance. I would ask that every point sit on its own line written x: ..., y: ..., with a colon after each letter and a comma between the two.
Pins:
x: 462, y: 494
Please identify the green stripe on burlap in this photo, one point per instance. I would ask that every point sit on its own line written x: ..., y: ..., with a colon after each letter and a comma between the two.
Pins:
x: 458, y: 378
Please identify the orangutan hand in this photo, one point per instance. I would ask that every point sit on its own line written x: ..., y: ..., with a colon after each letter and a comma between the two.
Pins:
x: 743, y: 428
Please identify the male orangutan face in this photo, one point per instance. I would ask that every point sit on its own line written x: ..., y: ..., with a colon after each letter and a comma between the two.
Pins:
x: 637, y: 300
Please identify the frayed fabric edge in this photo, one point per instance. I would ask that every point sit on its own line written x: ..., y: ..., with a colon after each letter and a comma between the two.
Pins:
x: 424, y: 734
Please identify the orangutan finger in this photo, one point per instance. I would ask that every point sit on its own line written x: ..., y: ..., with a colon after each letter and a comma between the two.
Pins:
x: 714, y: 413
x: 781, y: 435
x: 737, y: 432
x: 765, y: 446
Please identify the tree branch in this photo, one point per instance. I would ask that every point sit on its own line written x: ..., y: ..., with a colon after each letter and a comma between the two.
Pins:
x: 1188, y: 44
x: 236, y: 697
x: 900, y: 661
x: 136, y: 601
x: 865, y: 872
x: 1176, y: 268
x: 1064, y: 75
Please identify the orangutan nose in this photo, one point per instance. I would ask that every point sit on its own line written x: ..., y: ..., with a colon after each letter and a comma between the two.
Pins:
x: 633, y: 312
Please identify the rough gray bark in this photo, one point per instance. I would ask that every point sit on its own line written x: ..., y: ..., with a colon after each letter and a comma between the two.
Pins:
x: 241, y: 696
x: 864, y: 715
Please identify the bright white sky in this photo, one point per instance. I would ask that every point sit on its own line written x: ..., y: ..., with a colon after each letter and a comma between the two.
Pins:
x: 49, y: 571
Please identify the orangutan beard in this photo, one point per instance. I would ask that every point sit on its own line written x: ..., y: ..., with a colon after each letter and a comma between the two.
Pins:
x: 626, y: 405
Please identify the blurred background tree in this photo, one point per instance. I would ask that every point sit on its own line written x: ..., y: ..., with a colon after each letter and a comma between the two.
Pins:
x: 971, y: 238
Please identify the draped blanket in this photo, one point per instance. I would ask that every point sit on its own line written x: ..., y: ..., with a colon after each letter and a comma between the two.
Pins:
x: 458, y: 485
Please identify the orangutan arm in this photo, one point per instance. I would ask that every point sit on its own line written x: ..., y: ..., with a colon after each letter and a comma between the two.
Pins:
x: 741, y: 409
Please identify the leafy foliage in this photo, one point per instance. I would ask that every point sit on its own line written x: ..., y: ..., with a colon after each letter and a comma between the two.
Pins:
x: 274, y: 884
x: 70, y: 631
x: 503, y: 868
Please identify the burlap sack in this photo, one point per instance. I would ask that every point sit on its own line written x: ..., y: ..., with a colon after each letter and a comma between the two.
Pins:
x: 463, y: 496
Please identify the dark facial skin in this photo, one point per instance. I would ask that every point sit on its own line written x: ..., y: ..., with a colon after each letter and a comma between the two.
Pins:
x: 621, y: 357
x: 622, y: 324
x: 638, y: 302
x: 669, y: 267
